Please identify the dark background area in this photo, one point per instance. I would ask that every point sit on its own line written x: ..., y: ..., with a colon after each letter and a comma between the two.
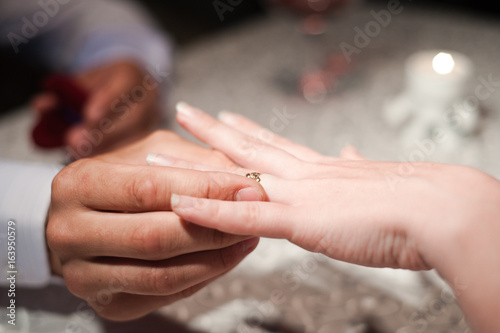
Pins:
x: 188, y: 21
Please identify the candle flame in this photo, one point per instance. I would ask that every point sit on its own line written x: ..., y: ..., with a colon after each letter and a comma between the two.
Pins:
x: 443, y: 63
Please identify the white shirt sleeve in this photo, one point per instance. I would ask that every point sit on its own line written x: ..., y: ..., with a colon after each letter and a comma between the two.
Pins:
x: 79, y: 35
x: 24, y: 200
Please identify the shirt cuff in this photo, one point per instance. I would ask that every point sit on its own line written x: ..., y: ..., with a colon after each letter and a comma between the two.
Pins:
x: 25, y: 198
x: 150, y: 49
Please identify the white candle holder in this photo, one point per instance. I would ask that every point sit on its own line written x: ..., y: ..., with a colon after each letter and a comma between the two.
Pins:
x: 432, y: 103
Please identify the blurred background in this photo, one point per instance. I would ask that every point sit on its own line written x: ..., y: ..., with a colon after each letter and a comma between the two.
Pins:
x: 173, y: 15
x: 392, y: 78
x: 190, y: 21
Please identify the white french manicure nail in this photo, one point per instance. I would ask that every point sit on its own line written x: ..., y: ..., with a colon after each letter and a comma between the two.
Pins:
x: 160, y: 160
x: 186, y: 109
x: 151, y: 158
x: 174, y: 200
x: 227, y: 118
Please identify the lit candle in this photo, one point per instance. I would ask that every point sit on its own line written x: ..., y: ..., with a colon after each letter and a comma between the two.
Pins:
x: 437, y: 78
x: 432, y: 105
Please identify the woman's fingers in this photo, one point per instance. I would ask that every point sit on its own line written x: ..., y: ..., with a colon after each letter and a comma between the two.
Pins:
x: 265, y: 219
x: 254, y: 130
x: 246, y: 151
x: 164, y: 277
x: 273, y: 185
x: 351, y: 153
x: 112, y: 187
x: 146, y: 236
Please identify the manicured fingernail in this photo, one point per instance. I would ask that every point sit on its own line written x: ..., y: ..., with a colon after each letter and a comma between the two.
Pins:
x: 249, y: 244
x: 248, y: 194
x: 151, y: 158
x: 174, y: 200
x: 159, y: 159
x: 227, y: 118
x: 187, y: 110
x: 184, y: 202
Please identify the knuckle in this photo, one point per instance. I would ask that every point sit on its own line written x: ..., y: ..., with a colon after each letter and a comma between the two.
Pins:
x: 60, y: 238
x: 143, y: 191
x: 70, y: 181
x: 59, y: 184
x: 147, y: 240
x: 215, y: 188
x: 159, y: 281
x: 64, y: 178
x: 251, y: 213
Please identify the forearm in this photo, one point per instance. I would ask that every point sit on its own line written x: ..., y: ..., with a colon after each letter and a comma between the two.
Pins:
x: 459, y: 236
x: 473, y: 271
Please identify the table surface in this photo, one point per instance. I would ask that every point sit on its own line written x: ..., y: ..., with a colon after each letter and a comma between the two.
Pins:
x: 250, y: 70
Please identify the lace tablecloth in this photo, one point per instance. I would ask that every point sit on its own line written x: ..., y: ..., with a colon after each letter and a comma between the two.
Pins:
x: 253, y: 69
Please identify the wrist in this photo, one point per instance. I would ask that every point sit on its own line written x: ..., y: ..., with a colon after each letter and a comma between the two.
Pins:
x: 459, y: 237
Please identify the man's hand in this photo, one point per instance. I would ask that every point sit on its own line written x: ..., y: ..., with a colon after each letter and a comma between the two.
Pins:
x: 122, y: 107
x: 115, y: 241
x: 414, y: 215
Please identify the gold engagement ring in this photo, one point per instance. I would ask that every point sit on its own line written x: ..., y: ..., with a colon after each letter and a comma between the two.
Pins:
x: 254, y: 175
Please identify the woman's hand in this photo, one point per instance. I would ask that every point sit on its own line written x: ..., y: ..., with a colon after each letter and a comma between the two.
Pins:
x: 414, y: 215
x: 338, y: 207
x: 114, y: 240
